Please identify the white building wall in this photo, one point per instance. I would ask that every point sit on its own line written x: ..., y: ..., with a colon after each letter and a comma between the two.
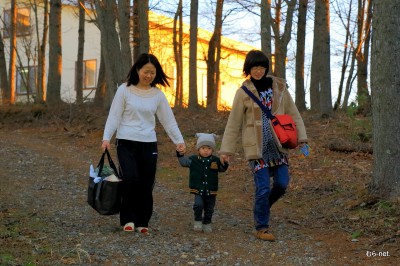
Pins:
x: 69, y: 24
x: 70, y: 51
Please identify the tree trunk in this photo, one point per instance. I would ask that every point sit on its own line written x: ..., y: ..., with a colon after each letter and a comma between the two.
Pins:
x: 300, y: 56
x: 266, y: 21
x: 325, y: 89
x: 345, y: 63
x: 364, y: 28
x: 135, y: 29
x: 124, y: 33
x: 316, y: 62
x: 349, y: 83
x: 193, y: 99
x: 282, y: 40
x: 177, y: 43
x: 110, y: 47
x: 41, y: 75
x: 385, y: 76
x: 3, y: 72
x: 143, y: 10
x: 213, y: 60
x: 100, y: 95
x: 13, y: 55
x: 79, y: 60
x: 55, y: 54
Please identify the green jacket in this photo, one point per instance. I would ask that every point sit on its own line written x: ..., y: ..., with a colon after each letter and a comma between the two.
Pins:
x: 203, y: 174
x: 245, y: 120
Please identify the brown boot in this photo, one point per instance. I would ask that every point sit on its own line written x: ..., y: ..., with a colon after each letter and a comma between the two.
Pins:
x: 263, y: 234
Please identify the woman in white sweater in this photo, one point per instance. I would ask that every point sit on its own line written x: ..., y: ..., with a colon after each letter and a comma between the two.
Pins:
x: 132, y: 116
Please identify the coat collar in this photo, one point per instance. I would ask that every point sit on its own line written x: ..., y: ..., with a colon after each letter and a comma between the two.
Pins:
x: 278, y: 87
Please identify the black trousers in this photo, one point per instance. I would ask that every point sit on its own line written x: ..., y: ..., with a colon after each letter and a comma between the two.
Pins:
x: 206, y: 204
x: 138, y: 161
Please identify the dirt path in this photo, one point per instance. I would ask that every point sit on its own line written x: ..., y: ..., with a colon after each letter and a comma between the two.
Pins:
x: 45, y: 219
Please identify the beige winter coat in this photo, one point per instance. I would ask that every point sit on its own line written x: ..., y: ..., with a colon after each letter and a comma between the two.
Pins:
x: 245, y: 120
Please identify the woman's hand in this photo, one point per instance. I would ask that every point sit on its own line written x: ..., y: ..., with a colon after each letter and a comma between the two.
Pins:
x: 224, y: 158
x: 181, y: 148
x: 105, y: 145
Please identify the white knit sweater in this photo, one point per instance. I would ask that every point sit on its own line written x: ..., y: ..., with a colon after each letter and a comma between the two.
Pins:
x: 132, y: 115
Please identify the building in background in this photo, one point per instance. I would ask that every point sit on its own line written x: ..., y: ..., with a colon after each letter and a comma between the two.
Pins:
x: 161, y: 36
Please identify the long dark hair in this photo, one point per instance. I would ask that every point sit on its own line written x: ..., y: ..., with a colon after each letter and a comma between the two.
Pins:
x: 255, y: 58
x: 133, y: 76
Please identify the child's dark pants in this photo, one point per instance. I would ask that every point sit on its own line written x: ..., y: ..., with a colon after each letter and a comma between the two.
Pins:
x: 206, y: 204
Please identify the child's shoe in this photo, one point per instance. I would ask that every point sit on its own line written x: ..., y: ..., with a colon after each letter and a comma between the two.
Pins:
x: 207, y: 228
x: 197, y: 226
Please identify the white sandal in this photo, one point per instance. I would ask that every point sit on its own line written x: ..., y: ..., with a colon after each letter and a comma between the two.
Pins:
x: 129, y: 227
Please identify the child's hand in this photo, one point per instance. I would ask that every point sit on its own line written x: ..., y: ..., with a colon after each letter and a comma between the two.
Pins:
x: 224, y: 158
x: 181, y: 148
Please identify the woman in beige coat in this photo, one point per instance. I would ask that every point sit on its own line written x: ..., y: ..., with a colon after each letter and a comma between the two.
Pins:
x: 267, y: 158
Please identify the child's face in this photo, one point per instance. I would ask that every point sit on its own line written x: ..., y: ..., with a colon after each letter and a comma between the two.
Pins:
x: 205, y: 151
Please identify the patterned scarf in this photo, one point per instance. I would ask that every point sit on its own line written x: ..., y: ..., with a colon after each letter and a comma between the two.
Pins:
x: 271, y: 154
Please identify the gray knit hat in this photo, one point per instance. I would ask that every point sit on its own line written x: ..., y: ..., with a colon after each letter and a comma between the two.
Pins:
x: 205, y: 139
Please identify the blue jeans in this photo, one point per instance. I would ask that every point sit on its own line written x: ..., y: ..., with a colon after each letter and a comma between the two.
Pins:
x: 264, y: 195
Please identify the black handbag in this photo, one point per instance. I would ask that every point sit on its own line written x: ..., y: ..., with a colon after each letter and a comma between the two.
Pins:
x: 105, y: 196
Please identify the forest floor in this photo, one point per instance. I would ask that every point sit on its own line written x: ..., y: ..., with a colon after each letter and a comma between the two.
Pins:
x: 327, y: 217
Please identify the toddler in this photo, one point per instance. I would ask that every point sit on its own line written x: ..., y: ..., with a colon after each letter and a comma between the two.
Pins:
x: 203, y: 179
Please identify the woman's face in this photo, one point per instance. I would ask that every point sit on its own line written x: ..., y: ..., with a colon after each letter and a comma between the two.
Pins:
x: 146, y: 75
x: 257, y: 72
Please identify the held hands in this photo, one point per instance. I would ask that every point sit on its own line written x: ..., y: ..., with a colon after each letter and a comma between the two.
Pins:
x: 181, y: 148
x: 224, y: 158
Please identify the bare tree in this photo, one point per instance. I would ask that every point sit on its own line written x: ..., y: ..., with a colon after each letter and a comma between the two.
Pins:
x: 135, y: 29
x: 110, y: 47
x: 346, y: 21
x: 143, y: 10
x: 101, y: 89
x: 385, y: 71
x: 213, y: 58
x: 320, y: 87
x: 13, y: 55
x: 81, y: 46
x: 41, y: 74
x: 124, y: 16
x: 178, y: 53
x: 282, y: 39
x: 325, y: 82
x: 266, y: 21
x: 300, y: 56
x: 364, y: 20
x: 3, y: 71
x: 55, y: 54
x: 193, y: 100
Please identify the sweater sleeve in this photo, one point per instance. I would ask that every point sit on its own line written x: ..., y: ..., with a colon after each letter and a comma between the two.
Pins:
x: 167, y: 119
x: 184, y: 161
x: 115, y: 113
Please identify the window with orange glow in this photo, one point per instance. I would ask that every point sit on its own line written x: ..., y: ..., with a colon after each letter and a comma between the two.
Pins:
x: 23, y: 22
x: 89, y: 74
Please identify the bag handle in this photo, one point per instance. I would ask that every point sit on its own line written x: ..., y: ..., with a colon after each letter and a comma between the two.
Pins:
x: 100, y: 165
x: 263, y: 107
